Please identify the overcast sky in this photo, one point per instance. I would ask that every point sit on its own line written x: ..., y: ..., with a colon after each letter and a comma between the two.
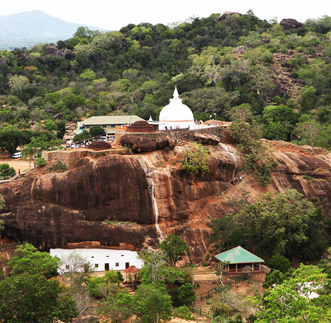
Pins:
x: 113, y: 15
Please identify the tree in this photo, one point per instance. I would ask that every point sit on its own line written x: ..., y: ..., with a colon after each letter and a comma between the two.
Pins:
x: 10, y: 138
x: 186, y: 294
x: 175, y: 248
x: 97, y: 131
x: 301, y: 298
x: 195, y: 159
x: 278, y: 262
x: 27, y: 259
x: 221, y: 266
x: 309, y: 131
x: 38, y: 145
x: 156, y: 269
x: 18, y: 82
x: 29, y: 298
x: 84, y: 135
x: 119, y: 306
x: 246, y: 134
x: 277, y: 224
x: 152, y: 304
x: 76, y: 279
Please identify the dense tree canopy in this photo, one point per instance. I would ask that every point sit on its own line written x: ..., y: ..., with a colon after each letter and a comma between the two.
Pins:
x: 286, y: 224
x: 216, y: 63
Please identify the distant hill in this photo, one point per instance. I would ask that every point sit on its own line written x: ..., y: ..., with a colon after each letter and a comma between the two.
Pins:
x: 28, y: 28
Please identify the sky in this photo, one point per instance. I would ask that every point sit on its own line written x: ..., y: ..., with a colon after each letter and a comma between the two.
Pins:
x: 113, y: 15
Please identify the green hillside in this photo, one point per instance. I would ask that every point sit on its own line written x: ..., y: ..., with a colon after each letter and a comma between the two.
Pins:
x: 281, y: 73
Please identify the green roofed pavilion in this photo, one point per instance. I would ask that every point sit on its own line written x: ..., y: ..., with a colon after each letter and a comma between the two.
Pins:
x: 239, y: 258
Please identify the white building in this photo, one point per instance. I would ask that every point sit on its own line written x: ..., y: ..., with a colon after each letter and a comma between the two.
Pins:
x: 176, y: 115
x: 101, y: 259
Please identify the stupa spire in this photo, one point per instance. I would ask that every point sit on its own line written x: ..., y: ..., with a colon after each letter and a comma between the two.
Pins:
x: 176, y: 95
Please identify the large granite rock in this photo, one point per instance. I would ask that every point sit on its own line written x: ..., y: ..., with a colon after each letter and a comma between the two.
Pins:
x: 113, y: 199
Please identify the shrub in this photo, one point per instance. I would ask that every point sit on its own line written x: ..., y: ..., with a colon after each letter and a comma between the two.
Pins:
x: 183, y: 312
x: 279, y: 262
x: 41, y: 161
x: 58, y: 167
x: 6, y: 170
x: 195, y: 159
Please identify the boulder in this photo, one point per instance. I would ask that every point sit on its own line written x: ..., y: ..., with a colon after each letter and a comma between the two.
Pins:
x: 228, y: 15
x: 206, y: 139
x: 52, y: 50
x: 144, y: 143
x: 68, y: 54
x: 290, y: 23
x: 138, y: 144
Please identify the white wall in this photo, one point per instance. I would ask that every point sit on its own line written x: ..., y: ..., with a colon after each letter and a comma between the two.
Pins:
x: 117, y: 259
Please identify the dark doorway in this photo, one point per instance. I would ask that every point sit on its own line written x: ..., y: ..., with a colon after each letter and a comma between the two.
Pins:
x: 127, y: 265
x: 106, y: 267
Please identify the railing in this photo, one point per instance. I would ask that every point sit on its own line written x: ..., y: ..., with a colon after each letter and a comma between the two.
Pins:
x: 200, y: 311
x: 202, y: 296
x: 207, y: 295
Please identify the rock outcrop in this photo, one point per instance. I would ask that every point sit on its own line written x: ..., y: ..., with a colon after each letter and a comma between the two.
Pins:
x: 146, y: 144
x: 117, y: 199
x: 289, y: 23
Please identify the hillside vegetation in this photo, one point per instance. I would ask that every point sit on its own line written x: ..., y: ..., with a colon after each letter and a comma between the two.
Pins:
x: 220, y: 62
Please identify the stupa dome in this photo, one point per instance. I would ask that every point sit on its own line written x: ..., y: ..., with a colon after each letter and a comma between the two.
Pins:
x: 176, y: 114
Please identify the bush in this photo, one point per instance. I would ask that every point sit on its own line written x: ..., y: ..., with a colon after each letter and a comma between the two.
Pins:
x: 58, y: 167
x: 7, y: 171
x: 195, y: 159
x: 183, y: 312
x: 278, y: 262
x: 41, y: 161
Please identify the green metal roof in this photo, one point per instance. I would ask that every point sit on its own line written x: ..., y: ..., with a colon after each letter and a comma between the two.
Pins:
x: 110, y: 120
x: 238, y: 255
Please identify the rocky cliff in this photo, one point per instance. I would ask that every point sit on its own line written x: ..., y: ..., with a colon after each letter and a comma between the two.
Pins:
x: 138, y: 199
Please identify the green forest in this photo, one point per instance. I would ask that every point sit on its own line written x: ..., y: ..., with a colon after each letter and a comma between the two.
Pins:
x: 282, y: 74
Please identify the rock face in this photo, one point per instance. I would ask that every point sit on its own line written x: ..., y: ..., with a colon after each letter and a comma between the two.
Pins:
x: 117, y: 199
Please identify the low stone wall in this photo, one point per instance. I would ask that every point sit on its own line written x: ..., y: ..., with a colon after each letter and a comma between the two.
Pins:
x: 179, y: 134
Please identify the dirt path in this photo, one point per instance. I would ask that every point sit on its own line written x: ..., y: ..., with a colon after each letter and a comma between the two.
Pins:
x: 18, y: 164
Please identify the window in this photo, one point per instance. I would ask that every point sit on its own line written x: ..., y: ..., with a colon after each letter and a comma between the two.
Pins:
x: 92, y: 256
x: 67, y: 267
x: 122, y: 255
x: 117, y: 264
x: 96, y: 265
x: 107, y: 256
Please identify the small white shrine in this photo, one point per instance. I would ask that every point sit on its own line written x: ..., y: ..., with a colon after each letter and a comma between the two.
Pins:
x: 101, y: 259
x: 176, y: 115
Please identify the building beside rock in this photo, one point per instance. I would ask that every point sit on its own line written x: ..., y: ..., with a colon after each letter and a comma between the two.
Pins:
x: 101, y: 259
x: 111, y: 124
x: 176, y: 115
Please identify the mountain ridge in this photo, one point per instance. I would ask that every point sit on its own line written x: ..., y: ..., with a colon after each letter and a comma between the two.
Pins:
x: 22, y: 29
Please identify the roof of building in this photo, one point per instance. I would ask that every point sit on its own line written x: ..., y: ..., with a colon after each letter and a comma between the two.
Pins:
x: 131, y: 269
x: 238, y: 255
x: 110, y: 120
x: 176, y: 111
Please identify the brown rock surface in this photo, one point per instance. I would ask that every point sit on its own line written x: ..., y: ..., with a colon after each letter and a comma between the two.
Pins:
x: 289, y: 23
x: 55, y: 209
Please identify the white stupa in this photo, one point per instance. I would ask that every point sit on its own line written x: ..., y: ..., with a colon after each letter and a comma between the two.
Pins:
x: 176, y: 115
